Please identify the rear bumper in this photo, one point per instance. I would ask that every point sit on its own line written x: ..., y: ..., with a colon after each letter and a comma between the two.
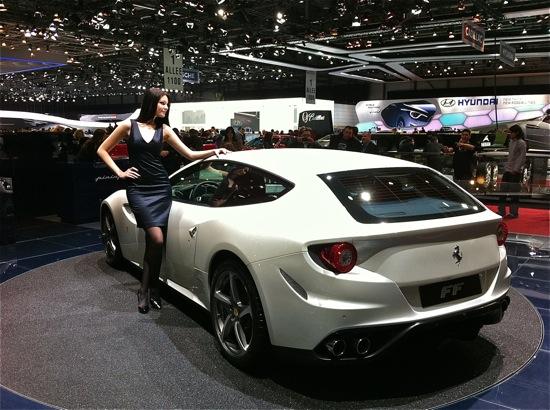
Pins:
x: 383, y: 339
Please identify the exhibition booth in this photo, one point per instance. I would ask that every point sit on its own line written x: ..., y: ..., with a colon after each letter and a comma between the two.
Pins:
x: 359, y: 218
x: 71, y: 340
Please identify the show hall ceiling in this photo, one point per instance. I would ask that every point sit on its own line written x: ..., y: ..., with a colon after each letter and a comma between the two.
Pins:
x: 114, y: 47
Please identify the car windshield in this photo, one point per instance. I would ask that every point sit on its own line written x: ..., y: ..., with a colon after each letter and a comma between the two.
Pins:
x: 399, y: 194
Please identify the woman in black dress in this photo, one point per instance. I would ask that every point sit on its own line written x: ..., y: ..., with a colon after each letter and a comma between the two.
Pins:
x: 148, y: 189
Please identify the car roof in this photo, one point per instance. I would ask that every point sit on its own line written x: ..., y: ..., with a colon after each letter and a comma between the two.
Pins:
x: 295, y: 162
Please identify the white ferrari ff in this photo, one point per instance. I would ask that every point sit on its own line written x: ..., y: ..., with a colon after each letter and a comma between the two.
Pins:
x: 335, y: 253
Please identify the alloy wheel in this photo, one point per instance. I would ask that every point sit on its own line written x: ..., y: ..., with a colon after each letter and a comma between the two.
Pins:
x: 233, y: 316
x: 108, y: 235
x: 110, y: 240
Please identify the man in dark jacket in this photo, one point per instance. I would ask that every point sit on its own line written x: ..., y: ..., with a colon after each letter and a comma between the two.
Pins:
x: 345, y: 141
x: 406, y: 148
x: 433, y: 150
x: 464, y: 158
x: 369, y: 146
x: 304, y: 139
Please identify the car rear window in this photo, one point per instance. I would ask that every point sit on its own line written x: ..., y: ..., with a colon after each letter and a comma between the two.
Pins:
x: 399, y: 194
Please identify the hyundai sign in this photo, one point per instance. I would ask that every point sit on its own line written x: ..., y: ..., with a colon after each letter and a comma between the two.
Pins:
x: 432, y: 114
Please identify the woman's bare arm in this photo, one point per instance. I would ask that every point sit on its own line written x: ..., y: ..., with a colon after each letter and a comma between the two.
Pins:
x: 171, y: 138
x: 119, y: 133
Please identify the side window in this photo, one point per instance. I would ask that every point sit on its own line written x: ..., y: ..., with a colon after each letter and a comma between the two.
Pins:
x: 224, y: 183
x: 244, y: 185
x: 199, y: 183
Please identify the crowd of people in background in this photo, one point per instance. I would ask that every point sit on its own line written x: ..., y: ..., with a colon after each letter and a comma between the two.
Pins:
x: 77, y: 145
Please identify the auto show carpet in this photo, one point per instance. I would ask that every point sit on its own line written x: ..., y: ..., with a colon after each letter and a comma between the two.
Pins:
x: 70, y: 337
x: 531, y: 221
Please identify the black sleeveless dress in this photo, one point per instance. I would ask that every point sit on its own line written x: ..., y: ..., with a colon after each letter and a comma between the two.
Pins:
x: 150, y: 195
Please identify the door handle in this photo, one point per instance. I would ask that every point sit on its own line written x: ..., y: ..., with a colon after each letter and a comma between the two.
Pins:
x: 193, y: 232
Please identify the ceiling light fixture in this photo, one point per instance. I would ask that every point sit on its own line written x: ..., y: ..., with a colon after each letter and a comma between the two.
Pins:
x: 2, y: 7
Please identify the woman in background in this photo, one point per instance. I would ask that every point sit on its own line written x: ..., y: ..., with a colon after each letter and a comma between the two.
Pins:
x: 231, y: 141
x: 148, y: 189
x: 88, y: 152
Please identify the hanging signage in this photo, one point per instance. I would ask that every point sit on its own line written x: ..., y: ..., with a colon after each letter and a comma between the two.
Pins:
x: 173, y: 70
x: 507, y: 54
x: 311, y: 87
x: 190, y: 76
x: 474, y: 112
x: 473, y: 35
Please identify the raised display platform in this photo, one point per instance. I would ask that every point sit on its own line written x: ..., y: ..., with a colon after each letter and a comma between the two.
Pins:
x: 71, y: 337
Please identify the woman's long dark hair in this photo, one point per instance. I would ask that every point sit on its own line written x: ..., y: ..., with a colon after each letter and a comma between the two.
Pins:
x: 227, y: 131
x: 517, y: 129
x: 149, y: 107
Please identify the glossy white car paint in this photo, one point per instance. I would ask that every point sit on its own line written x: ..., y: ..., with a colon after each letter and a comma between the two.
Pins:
x: 272, y: 239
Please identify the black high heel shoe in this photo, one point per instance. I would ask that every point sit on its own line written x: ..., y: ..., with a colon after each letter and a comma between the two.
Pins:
x: 143, y: 302
x: 154, y: 299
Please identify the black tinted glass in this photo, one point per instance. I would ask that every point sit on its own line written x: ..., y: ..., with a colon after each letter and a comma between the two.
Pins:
x: 225, y: 183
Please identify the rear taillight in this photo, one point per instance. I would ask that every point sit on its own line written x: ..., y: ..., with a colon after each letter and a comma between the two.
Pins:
x: 502, y: 233
x: 339, y: 257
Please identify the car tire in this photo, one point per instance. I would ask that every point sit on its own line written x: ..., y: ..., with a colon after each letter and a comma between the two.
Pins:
x: 109, y: 236
x: 237, y: 316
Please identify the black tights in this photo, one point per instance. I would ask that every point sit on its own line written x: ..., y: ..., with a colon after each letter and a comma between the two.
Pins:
x: 154, y: 242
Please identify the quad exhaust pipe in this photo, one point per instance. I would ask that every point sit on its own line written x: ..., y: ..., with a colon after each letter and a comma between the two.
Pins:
x: 362, y: 346
x: 336, y: 347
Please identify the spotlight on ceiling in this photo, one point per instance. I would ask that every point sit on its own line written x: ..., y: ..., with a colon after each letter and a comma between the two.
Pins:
x: 2, y: 7
x: 281, y: 18
x: 461, y: 6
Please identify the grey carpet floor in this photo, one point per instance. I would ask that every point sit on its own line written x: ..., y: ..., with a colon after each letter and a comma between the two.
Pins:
x: 71, y: 337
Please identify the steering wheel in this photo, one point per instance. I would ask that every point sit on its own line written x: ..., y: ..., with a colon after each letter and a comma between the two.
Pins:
x: 206, y: 185
x: 182, y: 194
